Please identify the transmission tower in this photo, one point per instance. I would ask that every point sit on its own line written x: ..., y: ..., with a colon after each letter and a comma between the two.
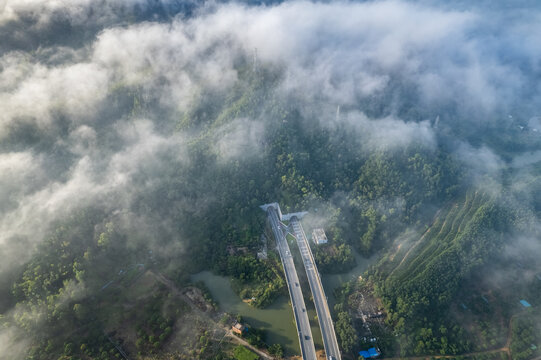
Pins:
x: 255, y: 61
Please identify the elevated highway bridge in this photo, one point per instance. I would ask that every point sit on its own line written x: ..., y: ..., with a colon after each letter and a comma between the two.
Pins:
x: 306, y: 342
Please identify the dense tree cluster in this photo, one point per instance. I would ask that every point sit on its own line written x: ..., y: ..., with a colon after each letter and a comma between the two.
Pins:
x: 298, y: 163
x: 526, y: 337
x: 393, y: 190
x: 334, y: 259
x: 261, y: 281
x: 418, y: 292
x: 152, y: 327
x: 345, y: 332
x: 53, y: 294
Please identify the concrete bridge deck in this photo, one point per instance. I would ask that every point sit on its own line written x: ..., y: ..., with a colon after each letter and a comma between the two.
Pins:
x: 306, y: 341
x: 297, y: 301
x: 318, y: 293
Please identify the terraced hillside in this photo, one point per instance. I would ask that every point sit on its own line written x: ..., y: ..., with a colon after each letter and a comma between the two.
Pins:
x: 439, y: 237
x: 418, y: 281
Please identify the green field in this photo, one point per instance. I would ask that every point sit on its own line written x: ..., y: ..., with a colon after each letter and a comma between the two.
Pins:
x: 241, y: 353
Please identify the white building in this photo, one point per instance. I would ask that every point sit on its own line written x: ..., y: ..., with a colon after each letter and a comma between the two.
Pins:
x: 319, y: 237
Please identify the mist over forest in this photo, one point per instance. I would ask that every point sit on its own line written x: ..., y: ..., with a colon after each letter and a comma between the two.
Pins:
x: 150, y: 132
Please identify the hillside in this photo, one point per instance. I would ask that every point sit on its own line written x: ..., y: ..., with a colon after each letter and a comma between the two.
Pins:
x: 432, y: 283
x: 138, y: 140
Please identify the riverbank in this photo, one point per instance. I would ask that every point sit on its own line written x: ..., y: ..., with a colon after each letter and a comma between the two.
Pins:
x: 277, y: 319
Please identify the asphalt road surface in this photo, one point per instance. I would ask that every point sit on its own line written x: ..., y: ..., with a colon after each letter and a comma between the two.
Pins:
x: 306, y: 341
x: 320, y: 300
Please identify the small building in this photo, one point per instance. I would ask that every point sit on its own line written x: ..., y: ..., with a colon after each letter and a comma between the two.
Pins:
x: 319, y: 237
x: 370, y: 353
x: 238, y: 328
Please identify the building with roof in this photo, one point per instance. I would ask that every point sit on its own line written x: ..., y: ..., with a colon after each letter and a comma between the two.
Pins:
x: 238, y: 328
x: 370, y: 353
x: 319, y: 237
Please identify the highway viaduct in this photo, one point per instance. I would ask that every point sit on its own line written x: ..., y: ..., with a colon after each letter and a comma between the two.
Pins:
x: 302, y: 322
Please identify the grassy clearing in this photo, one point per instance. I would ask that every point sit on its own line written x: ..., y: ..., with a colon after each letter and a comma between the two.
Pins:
x: 242, y: 353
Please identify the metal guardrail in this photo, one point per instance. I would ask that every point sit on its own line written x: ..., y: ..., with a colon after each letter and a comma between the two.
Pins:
x: 279, y: 235
x: 326, y: 335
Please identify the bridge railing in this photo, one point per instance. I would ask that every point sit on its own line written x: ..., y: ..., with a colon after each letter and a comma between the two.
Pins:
x: 298, y: 228
x: 279, y: 237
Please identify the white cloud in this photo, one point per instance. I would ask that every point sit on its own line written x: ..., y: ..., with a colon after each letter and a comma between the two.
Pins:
x: 240, y: 139
x: 78, y: 12
x: 389, y: 132
x: 330, y: 54
x: 481, y: 160
x: 75, y: 90
x: 20, y: 173
x: 326, y: 54
x: 96, y: 178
